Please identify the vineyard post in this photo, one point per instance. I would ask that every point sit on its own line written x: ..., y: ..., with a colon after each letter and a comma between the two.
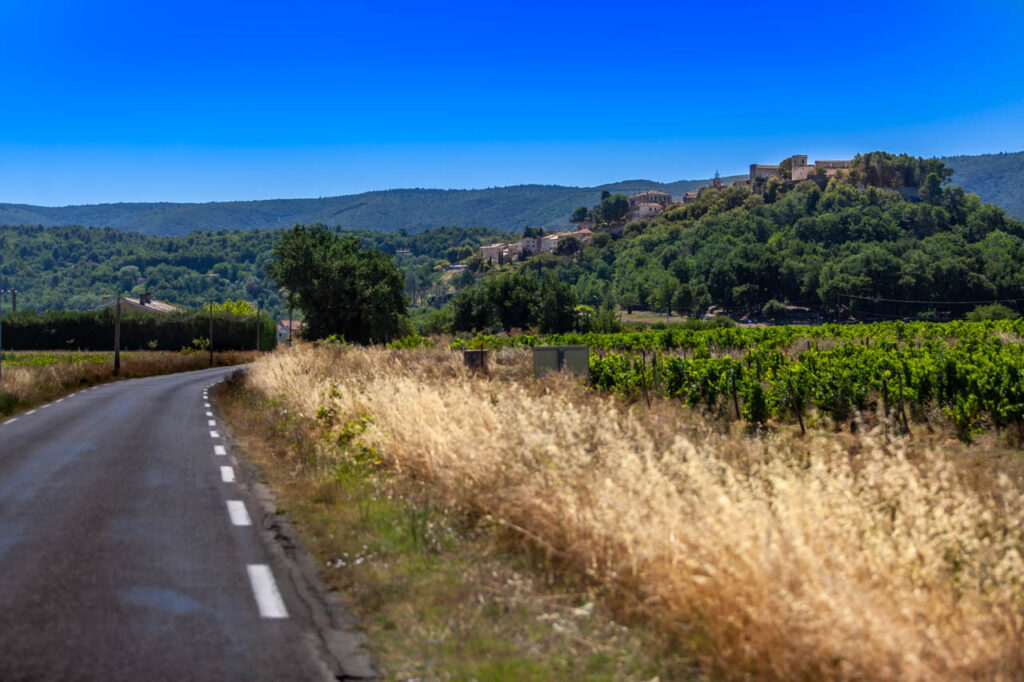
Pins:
x: 796, y: 408
x: 735, y: 400
x: 903, y: 412
x: 643, y: 379
x: 885, y: 403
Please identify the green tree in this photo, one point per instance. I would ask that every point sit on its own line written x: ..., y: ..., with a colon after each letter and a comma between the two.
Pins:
x: 931, y: 191
x: 579, y: 215
x: 472, y: 310
x: 511, y: 296
x: 341, y: 287
x: 613, y: 207
x: 663, y: 294
x: 556, y: 307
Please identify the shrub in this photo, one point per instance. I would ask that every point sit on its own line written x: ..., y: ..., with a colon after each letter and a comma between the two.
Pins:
x: 8, y: 401
x: 993, y: 311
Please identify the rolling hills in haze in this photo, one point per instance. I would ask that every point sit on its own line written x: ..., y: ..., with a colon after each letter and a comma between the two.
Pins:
x: 997, y: 178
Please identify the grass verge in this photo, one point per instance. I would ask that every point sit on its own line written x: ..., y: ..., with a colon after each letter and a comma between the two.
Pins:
x: 31, y: 378
x: 441, y: 594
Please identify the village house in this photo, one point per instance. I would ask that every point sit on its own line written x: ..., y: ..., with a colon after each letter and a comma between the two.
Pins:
x: 548, y: 244
x: 283, y: 327
x: 648, y: 203
x: 492, y: 252
x: 641, y: 211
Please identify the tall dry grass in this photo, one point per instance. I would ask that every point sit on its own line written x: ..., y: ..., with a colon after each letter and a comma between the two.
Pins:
x: 31, y: 385
x: 772, y: 558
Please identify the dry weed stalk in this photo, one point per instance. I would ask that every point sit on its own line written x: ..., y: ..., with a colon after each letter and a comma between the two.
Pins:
x: 773, y: 559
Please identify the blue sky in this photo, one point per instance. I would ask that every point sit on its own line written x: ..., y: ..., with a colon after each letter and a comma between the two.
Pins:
x: 205, y: 101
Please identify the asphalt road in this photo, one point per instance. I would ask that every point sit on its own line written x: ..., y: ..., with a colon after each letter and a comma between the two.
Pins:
x: 131, y: 548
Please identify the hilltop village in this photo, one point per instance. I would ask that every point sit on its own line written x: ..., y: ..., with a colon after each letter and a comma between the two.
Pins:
x: 652, y: 202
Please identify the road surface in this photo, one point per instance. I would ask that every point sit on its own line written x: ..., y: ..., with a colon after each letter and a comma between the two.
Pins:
x: 132, y: 547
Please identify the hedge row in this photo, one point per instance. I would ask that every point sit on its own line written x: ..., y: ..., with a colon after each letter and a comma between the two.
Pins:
x: 94, y: 331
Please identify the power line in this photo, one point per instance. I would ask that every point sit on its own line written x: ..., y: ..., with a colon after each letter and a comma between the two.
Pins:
x: 878, y: 299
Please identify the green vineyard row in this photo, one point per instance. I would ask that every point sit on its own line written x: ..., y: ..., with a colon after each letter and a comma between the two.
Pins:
x: 972, y: 372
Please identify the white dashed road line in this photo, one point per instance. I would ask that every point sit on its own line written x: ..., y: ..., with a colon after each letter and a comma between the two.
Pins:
x: 211, y: 422
x: 237, y: 512
x: 11, y: 420
x: 227, y: 474
x: 209, y: 414
x: 214, y: 434
x: 219, y: 450
x: 30, y: 413
x: 268, y: 597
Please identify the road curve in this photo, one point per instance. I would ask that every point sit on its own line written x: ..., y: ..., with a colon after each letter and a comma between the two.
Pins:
x: 133, y: 548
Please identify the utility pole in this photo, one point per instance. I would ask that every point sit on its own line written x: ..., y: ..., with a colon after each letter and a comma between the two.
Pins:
x: 117, y: 336
x: 259, y: 309
x: 211, y: 333
x: 1, y: 335
x: 14, y: 301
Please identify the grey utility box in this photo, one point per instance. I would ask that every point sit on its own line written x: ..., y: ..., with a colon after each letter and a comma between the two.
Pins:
x: 575, y: 359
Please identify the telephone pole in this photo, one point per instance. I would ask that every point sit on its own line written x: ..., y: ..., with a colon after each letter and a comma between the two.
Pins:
x: 117, y: 336
x: 1, y: 334
x: 259, y: 309
x: 211, y: 333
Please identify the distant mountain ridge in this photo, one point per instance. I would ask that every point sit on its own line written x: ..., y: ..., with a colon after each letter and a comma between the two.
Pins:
x: 997, y: 178
x: 502, y: 208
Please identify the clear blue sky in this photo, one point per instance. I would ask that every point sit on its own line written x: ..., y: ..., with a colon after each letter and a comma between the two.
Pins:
x: 204, y: 101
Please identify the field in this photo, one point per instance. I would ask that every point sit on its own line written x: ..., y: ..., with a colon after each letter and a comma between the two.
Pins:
x: 874, y: 553
x: 970, y: 375
x: 30, y: 378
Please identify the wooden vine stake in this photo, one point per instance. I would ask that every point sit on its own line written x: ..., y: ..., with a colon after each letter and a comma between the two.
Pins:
x: 643, y: 380
x: 796, y: 408
x: 885, y: 404
x: 903, y: 412
x: 735, y: 400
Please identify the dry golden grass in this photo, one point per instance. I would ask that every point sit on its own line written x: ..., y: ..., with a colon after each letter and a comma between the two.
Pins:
x: 834, y: 557
x: 32, y: 385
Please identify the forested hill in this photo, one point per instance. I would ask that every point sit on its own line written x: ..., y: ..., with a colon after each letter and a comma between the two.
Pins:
x: 996, y: 178
x: 500, y: 208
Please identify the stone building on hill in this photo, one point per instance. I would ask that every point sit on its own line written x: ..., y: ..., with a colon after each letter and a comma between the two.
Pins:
x: 799, y: 170
x: 648, y: 203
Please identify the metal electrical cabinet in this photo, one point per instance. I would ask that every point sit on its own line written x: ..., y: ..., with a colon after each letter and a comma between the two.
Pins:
x: 575, y: 359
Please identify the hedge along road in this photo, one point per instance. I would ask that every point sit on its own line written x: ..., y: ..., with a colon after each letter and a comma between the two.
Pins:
x: 132, y: 547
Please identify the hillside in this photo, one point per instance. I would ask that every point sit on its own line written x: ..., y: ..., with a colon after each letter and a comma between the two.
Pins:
x: 833, y: 251
x: 500, y: 208
x: 996, y: 178
x: 74, y: 268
